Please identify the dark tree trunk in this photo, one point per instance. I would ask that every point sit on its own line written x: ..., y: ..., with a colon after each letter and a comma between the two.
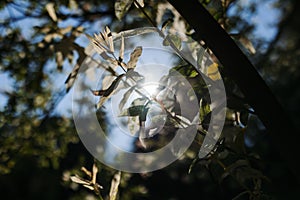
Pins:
x: 240, y: 69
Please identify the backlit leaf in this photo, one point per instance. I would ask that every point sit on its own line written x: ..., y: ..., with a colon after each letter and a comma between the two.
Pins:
x: 115, y: 182
x: 121, y: 53
x: 204, y: 110
x: 133, y: 75
x: 103, y: 42
x: 110, y: 89
x: 95, y: 171
x: 213, y: 72
x: 87, y: 172
x: 102, y: 101
x: 134, y: 32
x: 107, y: 93
x: 59, y: 59
x: 109, y: 39
x: 247, y: 44
x: 125, y: 98
x: 51, y: 11
x: 134, y: 56
x: 79, y: 180
x: 140, y: 2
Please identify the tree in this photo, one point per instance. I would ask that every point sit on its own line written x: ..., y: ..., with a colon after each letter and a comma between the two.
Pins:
x: 40, y: 143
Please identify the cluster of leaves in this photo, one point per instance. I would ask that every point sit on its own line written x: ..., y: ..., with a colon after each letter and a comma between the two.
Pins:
x: 29, y: 132
x: 34, y: 137
x: 140, y: 106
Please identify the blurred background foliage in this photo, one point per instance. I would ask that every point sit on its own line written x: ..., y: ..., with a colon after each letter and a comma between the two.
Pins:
x: 40, y: 42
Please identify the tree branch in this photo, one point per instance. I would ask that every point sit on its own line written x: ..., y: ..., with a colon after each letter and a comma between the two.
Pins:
x: 241, y: 70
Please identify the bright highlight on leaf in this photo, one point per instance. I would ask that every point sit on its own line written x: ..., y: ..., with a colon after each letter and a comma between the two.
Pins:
x: 104, y: 45
x: 51, y: 11
x: 103, y: 42
x: 140, y: 2
x: 213, y: 72
x: 88, y: 183
x: 115, y: 182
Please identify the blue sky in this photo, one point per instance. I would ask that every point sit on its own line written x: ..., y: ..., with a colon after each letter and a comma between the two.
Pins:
x: 264, y: 20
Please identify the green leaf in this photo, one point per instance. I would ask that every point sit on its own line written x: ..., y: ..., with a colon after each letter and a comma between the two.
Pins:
x: 185, y: 70
x: 139, y: 101
x: 122, y: 7
x: 173, y: 39
x: 194, y: 162
x: 143, y: 114
x: 204, y: 110
x: 133, y: 111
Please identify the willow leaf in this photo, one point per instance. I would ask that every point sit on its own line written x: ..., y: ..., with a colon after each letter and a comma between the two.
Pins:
x: 115, y: 182
x: 51, y: 11
x: 109, y: 38
x: 110, y: 89
x: 134, y: 56
x: 121, y: 53
x: 139, y: 2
